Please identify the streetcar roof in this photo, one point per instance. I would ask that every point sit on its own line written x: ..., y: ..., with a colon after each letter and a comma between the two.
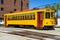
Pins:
x: 28, y: 11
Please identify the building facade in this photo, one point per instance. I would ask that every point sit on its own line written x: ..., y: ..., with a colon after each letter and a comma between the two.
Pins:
x: 8, y: 6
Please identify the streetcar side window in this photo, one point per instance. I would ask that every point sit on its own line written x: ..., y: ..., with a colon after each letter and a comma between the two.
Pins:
x: 27, y: 17
x: 33, y: 16
x: 30, y: 17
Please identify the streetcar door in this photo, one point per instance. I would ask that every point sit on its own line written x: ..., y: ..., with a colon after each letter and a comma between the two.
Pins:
x: 5, y: 20
x: 40, y: 19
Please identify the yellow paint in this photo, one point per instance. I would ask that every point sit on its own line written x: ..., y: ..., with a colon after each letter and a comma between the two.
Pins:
x: 49, y: 22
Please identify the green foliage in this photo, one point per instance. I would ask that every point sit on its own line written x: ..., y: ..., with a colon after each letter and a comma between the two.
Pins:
x: 55, y: 6
x: 47, y: 6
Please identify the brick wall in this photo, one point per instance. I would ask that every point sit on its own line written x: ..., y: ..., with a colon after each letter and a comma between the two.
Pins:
x: 8, y: 6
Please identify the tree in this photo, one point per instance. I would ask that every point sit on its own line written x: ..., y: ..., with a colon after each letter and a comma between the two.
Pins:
x: 48, y: 6
x: 57, y: 8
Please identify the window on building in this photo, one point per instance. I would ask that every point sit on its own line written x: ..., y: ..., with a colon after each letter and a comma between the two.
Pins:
x: 2, y: 1
x: 2, y: 9
x: 14, y: 9
x: 11, y: 12
x: 21, y: 5
x: 27, y: 4
x: 24, y: 0
x: 2, y: 15
x: 14, y: 2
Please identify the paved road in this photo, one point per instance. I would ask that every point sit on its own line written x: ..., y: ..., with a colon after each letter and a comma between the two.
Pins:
x: 8, y: 29
x: 54, y: 32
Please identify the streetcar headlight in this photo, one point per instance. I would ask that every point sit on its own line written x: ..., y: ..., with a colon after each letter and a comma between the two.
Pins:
x: 52, y: 22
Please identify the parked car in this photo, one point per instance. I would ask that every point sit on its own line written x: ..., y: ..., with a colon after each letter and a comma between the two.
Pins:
x: 1, y: 22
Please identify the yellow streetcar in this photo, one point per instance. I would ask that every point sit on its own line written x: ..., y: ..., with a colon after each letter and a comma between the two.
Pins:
x: 39, y: 19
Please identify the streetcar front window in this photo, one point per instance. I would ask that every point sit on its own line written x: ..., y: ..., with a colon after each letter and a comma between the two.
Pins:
x: 47, y: 14
x: 52, y: 14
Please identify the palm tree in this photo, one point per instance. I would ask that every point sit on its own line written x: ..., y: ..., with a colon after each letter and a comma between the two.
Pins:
x: 48, y: 6
x: 57, y: 8
x: 59, y: 5
x: 52, y: 7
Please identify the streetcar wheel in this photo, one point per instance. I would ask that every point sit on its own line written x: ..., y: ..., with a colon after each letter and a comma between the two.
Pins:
x: 45, y: 28
x: 52, y: 28
x: 49, y: 28
x: 38, y: 28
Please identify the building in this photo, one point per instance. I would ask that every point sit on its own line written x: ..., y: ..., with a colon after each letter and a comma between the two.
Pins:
x: 8, y: 6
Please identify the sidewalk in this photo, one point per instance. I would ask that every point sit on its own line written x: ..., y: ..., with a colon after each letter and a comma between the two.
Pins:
x: 57, y: 26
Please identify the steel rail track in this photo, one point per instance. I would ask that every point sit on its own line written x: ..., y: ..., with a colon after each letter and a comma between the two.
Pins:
x: 34, y: 35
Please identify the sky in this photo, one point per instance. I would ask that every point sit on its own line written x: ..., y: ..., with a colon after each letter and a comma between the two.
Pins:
x: 42, y: 3
x: 36, y: 3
